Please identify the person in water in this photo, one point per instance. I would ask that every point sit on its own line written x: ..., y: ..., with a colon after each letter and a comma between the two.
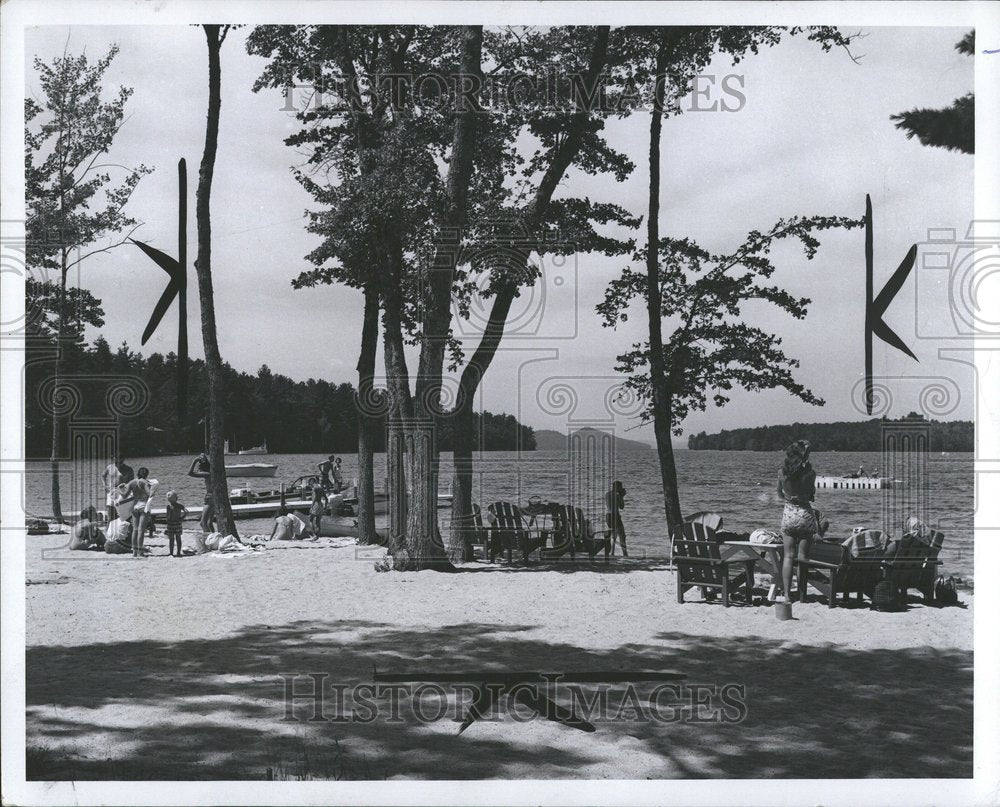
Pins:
x: 316, y: 510
x: 175, y: 516
x: 86, y: 534
x: 614, y: 502
x: 200, y: 469
x: 115, y: 474
x: 797, y: 488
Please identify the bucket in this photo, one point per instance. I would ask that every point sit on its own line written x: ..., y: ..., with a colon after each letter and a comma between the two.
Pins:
x: 783, y: 611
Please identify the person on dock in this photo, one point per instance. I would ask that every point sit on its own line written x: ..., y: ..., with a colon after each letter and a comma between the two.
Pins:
x: 614, y: 502
x: 338, y: 476
x: 175, y: 518
x: 325, y: 472
x: 799, y: 523
x: 86, y: 534
x: 116, y: 473
x: 201, y: 469
x: 316, y: 510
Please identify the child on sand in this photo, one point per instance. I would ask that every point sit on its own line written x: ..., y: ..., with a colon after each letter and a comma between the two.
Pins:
x: 175, y: 516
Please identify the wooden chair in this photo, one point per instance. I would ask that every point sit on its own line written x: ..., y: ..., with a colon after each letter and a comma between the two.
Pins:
x: 509, y: 531
x: 478, y: 535
x: 696, y: 556
x: 584, y: 535
x: 911, y: 563
x: 842, y: 568
x: 826, y: 570
x: 563, y: 533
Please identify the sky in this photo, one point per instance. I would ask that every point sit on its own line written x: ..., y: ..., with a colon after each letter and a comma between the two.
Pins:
x: 813, y: 137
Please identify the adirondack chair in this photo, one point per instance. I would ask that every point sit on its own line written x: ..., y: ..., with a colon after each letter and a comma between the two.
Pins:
x: 851, y: 567
x: 479, y: 535
x: 585, y: 535
x: 911, y: 563
x: 563, y: 533
x: 696, y: 556
x: 826, y: 570
x: 509, y: 531
x: 474, y: 534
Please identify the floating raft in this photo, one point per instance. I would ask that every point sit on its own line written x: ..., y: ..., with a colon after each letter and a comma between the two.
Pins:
x: 856, y: 483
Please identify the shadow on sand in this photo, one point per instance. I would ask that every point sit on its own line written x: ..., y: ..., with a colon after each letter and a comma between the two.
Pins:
x: 214, y: 709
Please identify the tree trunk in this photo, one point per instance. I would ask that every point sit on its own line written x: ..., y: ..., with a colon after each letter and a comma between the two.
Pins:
x: 57, y: 514
x: 203, y: 267
x: 657, y: 363
x: 459, y: 544
x: 368, y: 420
x: 531, y: 220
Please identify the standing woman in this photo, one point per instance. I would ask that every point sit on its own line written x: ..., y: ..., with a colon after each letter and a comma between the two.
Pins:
x: 797, y: 487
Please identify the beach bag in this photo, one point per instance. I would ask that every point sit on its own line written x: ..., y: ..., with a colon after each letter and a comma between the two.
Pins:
x: 885, y: 597
x: 944, y: 591
x: 36, y: 526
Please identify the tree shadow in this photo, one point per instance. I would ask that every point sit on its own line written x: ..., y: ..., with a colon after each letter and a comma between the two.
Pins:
x: 216, y: 708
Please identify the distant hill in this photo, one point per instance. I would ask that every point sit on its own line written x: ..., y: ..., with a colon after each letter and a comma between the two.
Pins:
x: 866, y: 435
x: 549, y: 440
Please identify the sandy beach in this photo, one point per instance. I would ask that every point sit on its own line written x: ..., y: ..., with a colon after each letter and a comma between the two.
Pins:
x: 177, y: 668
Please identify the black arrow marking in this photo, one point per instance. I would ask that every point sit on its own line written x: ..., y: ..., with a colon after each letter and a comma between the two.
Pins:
x: 875, y: 308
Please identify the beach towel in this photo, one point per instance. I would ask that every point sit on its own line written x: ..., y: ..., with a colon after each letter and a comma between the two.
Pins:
x: 765, y: 537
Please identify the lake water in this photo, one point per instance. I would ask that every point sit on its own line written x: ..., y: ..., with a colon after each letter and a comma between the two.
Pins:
x: 740, y: 485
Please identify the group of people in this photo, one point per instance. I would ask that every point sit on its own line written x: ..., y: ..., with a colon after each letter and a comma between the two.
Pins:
x: 128, y: 499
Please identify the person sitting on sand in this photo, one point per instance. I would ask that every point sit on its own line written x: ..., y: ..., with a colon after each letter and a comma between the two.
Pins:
x: 614, y: 501
x: 200, y: 469
x: 316, y: 511
x: 86, y: 534
x: 797, y: 488
x: 175, y: 516
x: 284, y: 526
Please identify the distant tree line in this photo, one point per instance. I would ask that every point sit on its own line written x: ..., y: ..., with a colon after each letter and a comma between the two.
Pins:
x: 291, y: 416
x: 952, y: 435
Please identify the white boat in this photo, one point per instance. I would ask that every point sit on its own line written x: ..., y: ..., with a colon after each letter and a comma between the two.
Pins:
x: 856, y: 482
x: 251, y: 469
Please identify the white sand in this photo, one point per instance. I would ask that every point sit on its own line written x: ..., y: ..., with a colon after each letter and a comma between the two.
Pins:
x: 172, y: 668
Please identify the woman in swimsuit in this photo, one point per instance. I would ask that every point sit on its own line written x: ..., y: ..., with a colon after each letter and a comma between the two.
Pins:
x: 797, y: 487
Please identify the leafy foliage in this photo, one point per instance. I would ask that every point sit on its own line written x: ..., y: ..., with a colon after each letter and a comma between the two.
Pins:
x: 309, y: 417
x: 953, y: 435
x: 712, y: 349
x: 66, y: 133
x: 953, y: 127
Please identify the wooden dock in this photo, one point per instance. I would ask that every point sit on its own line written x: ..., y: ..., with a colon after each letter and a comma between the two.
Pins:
x: 858, y: 483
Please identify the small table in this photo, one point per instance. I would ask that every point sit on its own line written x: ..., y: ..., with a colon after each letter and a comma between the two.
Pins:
x: 771, y: 556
